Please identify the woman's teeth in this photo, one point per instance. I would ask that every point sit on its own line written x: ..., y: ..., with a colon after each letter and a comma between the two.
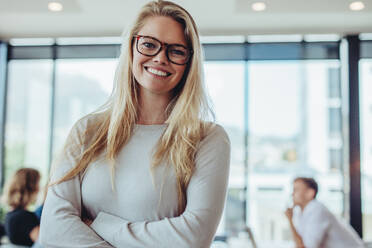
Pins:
x: 156, y: 72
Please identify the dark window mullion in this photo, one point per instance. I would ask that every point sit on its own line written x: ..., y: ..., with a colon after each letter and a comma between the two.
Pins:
x: 354, y: 134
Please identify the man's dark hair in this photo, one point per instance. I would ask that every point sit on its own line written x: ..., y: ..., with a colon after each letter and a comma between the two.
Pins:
x: 309, y: 182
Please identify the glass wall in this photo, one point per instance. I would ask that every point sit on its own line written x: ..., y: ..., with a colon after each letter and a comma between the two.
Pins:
x: 294, y: 130
x: 82, y: 85
x: 225, y: 85
x: 28, y: 108
x: 366, y: 144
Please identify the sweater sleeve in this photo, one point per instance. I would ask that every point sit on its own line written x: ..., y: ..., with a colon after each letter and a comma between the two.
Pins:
x: 61, y: 224
x: 196, y: 226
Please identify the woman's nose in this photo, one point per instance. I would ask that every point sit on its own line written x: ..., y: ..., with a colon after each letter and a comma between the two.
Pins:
x: 161, y: 57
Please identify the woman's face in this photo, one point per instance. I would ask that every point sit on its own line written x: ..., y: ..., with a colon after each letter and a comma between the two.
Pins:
x: 156, y: 75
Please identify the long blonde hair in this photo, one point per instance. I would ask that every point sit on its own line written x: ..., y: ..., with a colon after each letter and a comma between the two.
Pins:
x: 187, y: 112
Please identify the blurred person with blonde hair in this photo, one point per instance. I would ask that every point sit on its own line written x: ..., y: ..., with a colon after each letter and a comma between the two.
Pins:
x: 21, y: 225
x: 148, y: 169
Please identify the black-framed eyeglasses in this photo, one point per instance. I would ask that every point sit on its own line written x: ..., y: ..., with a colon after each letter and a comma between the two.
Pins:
x: 176, y: 53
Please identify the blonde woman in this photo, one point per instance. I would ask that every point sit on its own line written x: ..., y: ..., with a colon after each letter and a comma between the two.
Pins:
x: 147, y: 170
x: 21, y: 225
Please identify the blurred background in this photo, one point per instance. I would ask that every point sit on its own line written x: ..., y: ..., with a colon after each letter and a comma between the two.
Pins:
x: 290, y: 81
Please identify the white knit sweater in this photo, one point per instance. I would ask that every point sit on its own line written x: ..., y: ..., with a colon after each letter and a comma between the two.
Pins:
x: 142, y: 210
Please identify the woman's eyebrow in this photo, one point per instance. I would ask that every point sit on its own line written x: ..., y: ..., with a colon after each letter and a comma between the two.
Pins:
x: 171, y: 43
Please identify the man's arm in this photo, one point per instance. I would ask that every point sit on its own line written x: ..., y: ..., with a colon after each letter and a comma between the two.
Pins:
x: 314, y: 232
x: 296, y: 237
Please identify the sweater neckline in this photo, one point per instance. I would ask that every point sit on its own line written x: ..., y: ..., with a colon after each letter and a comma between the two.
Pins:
x: 152, y: 127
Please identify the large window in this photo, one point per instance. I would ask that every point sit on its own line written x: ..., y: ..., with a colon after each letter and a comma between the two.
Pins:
x: 225, y: 85
x: 294, y: 130
x: 82, y: 85
x: 366, y: 144
x: 27, y: 130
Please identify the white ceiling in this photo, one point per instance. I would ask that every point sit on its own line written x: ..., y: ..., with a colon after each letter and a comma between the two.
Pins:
x: 92, y: 18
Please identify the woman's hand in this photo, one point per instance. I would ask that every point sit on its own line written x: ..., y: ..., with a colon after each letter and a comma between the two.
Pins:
x: 34, y: 234
x: 87, y: 221
x: 85, y: 217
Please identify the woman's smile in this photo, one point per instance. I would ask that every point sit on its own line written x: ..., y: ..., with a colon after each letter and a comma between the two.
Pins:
x: 157, y: 72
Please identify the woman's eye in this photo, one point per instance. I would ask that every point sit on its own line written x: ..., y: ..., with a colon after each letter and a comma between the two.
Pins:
x: 148, y: 45
x: 178, y: 52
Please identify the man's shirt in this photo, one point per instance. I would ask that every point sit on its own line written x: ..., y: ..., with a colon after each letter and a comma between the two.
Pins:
x: 319, y: 228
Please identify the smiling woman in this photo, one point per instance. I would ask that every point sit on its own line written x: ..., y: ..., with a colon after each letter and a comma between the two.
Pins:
x: 162, y: 166
x: 157, y: 66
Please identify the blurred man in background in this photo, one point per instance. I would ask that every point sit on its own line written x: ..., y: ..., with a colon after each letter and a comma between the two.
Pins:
x: 312, y: 224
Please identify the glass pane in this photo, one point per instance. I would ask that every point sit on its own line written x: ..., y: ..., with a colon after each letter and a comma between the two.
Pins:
x: 225, y: 85
x: 81, y: 87
x: 28, y: 116
x: 294, y: 130
x: 366, y: 144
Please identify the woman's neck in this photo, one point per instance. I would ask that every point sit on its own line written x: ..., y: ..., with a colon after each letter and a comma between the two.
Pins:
x: 152, y: 109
